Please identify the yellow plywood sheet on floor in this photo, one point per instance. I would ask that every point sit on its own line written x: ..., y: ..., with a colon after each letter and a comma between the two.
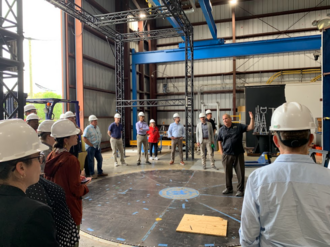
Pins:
x: 203, y: 225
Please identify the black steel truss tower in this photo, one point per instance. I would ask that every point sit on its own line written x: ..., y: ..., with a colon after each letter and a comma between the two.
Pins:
x: 11, y: 59
x: 104, y: 24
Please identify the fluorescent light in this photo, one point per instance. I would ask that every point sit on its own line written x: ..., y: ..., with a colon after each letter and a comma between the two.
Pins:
x: 143, y: 15
x: 233, y: 2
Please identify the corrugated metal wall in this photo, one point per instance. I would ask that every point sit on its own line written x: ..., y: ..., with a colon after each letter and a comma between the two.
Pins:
x: 99, y: 80
x: 245, y: 64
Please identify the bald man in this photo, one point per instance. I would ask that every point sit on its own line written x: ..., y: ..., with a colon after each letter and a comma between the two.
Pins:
x: 230, y: 139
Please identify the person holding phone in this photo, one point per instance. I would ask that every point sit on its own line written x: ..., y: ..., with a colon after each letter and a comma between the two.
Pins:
x: 63, y: 168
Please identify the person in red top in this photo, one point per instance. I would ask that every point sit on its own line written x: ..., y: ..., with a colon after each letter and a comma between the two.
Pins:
x: 153, y: 133
x: 63, y: 168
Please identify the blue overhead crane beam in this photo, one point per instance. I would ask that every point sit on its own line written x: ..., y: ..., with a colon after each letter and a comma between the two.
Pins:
x: 296, y: 44
x: 171, y: 20
x: 207, y: 11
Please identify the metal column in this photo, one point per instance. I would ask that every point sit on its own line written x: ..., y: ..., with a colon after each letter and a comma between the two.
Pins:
x: 326, y: 89
x: 119, y: 70
x: 12, y: 46
x: 189, y: 93
x: 234, y: 60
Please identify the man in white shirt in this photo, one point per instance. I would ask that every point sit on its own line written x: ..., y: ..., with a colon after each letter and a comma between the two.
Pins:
x: 287, y: 203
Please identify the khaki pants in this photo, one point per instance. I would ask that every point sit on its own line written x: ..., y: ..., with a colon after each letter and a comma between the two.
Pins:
x: 206, y: 144
x: 144, y: 140
x: 174, y: 143
x: 236, y: 161
x: 117, y: 144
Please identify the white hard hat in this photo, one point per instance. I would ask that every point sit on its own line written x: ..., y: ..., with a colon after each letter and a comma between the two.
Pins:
x: 29, y: 108
x: 64, y: 128
x: 176, y: 115
x: 62, y: 116
x: 18, y: 140
x: 208, y: 112
x: 32, y: 116
x: 45, y: 126
x: 69, y: 114
x: 117, y: 115
x: 152, y: 121
x: 292, y: 116
x: 141, y: 114
x: 92, y: 118
x: 201, y: 114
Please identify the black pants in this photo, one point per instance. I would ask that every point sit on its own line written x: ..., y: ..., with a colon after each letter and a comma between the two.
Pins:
x: 151, y: 145
x: 236, y: 161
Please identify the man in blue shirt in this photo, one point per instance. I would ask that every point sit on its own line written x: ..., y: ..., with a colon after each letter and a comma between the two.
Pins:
x: 142, y: 128
x: 92, y: 137
x: 287, y: 203
x: 115, y: 131
x: 230, y: 139
x: 176, y: 133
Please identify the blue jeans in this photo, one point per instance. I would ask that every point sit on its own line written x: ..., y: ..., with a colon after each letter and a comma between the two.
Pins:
x: 91, y: 153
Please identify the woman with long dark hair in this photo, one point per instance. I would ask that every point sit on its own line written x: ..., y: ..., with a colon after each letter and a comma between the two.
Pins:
x: 63, y: 168
x: 53, y: 195
x: 24, y: 222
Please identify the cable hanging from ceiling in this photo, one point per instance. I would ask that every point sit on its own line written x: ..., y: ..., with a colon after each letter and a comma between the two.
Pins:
x: 294, y: 72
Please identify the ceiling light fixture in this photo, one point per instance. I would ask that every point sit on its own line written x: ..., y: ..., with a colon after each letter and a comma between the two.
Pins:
x: 233, y: 2
x: 143, y: 15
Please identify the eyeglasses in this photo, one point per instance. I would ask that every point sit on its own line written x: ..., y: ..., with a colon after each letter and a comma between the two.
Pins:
x: 40, y: 157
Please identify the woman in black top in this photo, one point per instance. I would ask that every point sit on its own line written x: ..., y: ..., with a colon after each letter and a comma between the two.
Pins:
x: 24, y: 222
x: 53, y: 195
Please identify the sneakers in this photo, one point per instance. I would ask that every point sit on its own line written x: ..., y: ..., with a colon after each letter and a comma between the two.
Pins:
x: 172, y: 162
x: 151, y: 158
x: 156, y: 158
x: 116, y: 164
x: 139, y: 163
x: 148, y: 162
x: 227, y: 191
x: 182, y: 163
x: 240, y: 194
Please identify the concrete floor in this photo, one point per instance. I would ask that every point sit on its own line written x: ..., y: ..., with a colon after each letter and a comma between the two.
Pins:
x: 87, y: 240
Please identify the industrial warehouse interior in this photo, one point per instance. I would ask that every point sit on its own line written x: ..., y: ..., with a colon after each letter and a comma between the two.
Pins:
x: 164, y: 123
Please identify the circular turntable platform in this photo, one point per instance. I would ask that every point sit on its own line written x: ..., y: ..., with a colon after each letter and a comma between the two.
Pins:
x: 145, y: 208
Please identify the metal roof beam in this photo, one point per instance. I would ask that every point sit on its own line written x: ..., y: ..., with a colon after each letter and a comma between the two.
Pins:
x: 297, y: 44
x: 207, y: 11
x: 132, y: 16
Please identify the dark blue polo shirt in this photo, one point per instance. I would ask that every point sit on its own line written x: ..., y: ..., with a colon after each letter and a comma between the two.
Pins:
x: 232, y: 138
x: 115, y: 130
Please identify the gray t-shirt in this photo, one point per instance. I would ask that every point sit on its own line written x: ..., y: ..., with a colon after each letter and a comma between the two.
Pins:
x: 205, y: 130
